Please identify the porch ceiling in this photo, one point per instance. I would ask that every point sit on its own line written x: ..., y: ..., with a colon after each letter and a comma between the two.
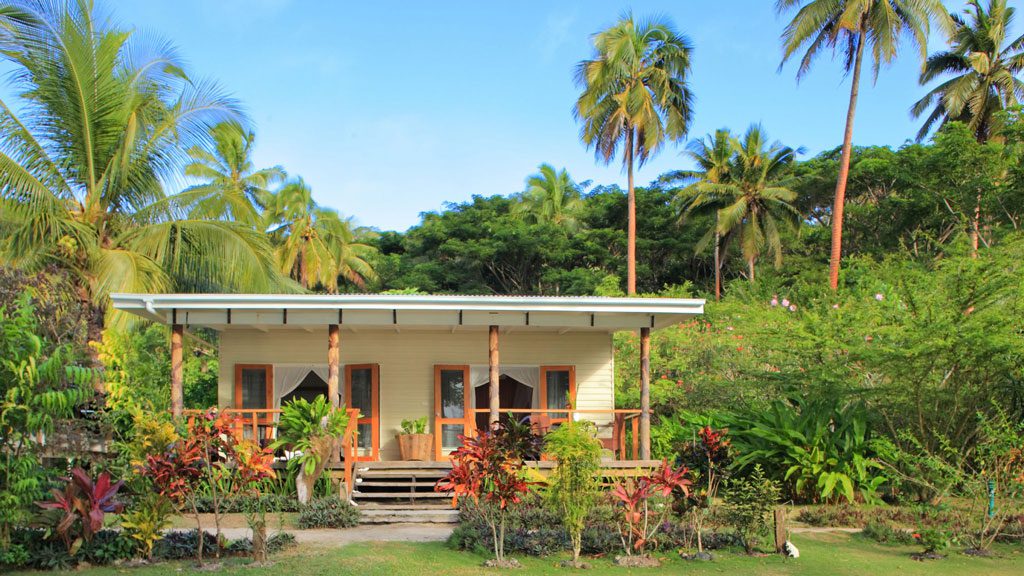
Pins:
x: 266, y: 311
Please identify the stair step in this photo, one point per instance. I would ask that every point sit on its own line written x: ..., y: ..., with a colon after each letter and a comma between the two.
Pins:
x: 405, y: 484
x: 417, y: 516
x: 403, y: 465
x: 402, y: 473
x: 400, y: 495
x: 369, y: 505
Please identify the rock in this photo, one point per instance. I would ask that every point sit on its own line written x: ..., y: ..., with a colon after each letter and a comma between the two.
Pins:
x: 571, y: 564
x: 506, y: 563
x: 637, y: 561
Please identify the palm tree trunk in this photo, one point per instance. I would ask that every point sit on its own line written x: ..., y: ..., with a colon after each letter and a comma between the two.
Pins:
x: 750, y: 270
x: 844, y: 170
x: 631, y: 215
x: 718, y: 262
x: 975, y: 232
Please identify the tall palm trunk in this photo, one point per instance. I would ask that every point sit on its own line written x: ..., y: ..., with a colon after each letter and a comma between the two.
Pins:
x: 631, y: 216
x: 975, y: 232
x: 844, y: 169
x: 718, y: 262
x: 750, y: 270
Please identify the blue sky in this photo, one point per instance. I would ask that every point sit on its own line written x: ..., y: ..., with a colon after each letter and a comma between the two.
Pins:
x: 390, y: 109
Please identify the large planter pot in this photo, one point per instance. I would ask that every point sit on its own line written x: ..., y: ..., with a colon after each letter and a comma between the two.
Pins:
x: 416, y: 446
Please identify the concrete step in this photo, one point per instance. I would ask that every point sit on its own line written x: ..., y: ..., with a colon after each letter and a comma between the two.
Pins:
x: 359, y: 494
x: 425, y: 485
x: 376, y: 516
x: 418, y: 473
x: 371, y: 505
x: 403, y: 465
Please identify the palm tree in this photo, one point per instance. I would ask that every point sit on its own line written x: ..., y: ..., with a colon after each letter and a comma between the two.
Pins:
x: 752, y: 201
x: 983, y: 66
x: 103, y: 124
x: 552, y: 197
x: 233, y: 189
x: 635, y: 95
x: 713, y: 155
x: 851, y: 26
x: 315, y: 245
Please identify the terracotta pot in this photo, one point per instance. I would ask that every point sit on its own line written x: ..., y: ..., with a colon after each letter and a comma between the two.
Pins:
x: 416, y: 446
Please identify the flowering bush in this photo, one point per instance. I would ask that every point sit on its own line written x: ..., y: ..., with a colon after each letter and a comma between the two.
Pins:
x: 932, y: 540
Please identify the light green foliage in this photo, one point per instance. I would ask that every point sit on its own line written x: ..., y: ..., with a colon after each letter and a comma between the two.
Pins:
x: 303, y: 426
x: 575, y: 484
x: 821, y: 448
x: 551, y: 196
x: 88, y: 196
x: 417, y: 426
x: 749, y: 501
x: 38, y: 386
x: 147, y: 516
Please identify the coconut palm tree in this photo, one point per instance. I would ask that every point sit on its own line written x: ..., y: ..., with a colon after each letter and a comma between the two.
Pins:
x: 635, y: 96
x: 713, y: 155
x: 233, y: 189
x: 750, y: 198
x: 984, y: 66
x: 101, y: 127
x: 315, y: 245
x: 852, y: 26
x: 551, y: 196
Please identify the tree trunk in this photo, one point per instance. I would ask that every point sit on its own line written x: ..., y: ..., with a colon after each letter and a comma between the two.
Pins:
x: 750, y: 270
x: 305, y: 484
x: 645, y: 393
x: 718, y: 262
x: 844, y: 170
x: 259, y: 541
x: 631, y: 218
x: 975, y: 232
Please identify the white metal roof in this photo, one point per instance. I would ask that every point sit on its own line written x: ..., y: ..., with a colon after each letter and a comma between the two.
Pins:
x: 264, y: 311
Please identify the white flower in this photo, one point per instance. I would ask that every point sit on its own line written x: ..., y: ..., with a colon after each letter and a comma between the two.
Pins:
x: 879, y: 297
x: 792, y: 307
x: 785, y: 302
x: 835, y: 306
x: 775, y: 301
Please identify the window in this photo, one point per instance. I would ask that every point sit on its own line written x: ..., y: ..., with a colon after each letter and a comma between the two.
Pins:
x: 254, y: 386
x: 557, y: 390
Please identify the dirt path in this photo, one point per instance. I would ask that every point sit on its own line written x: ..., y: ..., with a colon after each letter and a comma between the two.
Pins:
x: 363, y: 533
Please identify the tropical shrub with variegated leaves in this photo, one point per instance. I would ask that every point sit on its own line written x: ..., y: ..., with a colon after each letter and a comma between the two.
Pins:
x: 487, y: 470
x: 644, y: 504
x: 81, y: 506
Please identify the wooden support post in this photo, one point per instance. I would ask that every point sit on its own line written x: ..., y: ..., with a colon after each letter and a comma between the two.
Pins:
x: 333, y: 362
x: 645, y: 393
x: 495, y: 375
x: 177, y: 370
x: 780, y: 528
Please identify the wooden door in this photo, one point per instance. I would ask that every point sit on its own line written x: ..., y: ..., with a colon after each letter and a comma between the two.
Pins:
x: 452, y: 413
x: 557, y: 390
x: 254, y: 390
x: 362, y: 391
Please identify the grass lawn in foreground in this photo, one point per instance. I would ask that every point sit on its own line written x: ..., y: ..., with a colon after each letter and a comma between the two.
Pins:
x: 821, y: 553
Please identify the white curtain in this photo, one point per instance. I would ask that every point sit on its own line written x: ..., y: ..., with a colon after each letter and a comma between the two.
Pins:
x: 287, y: 378
x: 480, y: 374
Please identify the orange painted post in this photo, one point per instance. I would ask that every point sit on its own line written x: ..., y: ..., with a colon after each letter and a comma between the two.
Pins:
x: 177, y: 371
x: 495, y: 375
x: 645, y: 393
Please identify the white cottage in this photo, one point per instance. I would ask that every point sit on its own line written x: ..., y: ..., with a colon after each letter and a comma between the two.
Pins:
x: 460, y: 361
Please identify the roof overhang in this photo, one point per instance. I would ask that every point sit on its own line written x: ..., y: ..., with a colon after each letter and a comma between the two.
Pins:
x: 265, y: 311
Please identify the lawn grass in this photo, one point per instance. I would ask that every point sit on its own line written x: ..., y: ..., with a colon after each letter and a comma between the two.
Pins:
x: 821, y: 553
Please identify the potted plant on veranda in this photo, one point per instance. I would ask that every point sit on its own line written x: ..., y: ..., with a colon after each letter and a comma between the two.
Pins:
x: 414, y: 443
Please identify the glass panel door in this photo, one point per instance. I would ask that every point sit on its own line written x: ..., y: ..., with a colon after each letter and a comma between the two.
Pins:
x: 557, y: 390
x: 254, y: 393
x: 451, y: 408
x: 361, y: 392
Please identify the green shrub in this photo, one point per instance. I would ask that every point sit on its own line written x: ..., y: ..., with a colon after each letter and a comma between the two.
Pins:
x: 276, y: 543
x: 180, y: 545
x: 885, y: 533
x: 576, y: 483
x: 417, y: 426
x: 831, y: 516
x: 932, y: 540
x: 748, y: 504
x: 330, y: 512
